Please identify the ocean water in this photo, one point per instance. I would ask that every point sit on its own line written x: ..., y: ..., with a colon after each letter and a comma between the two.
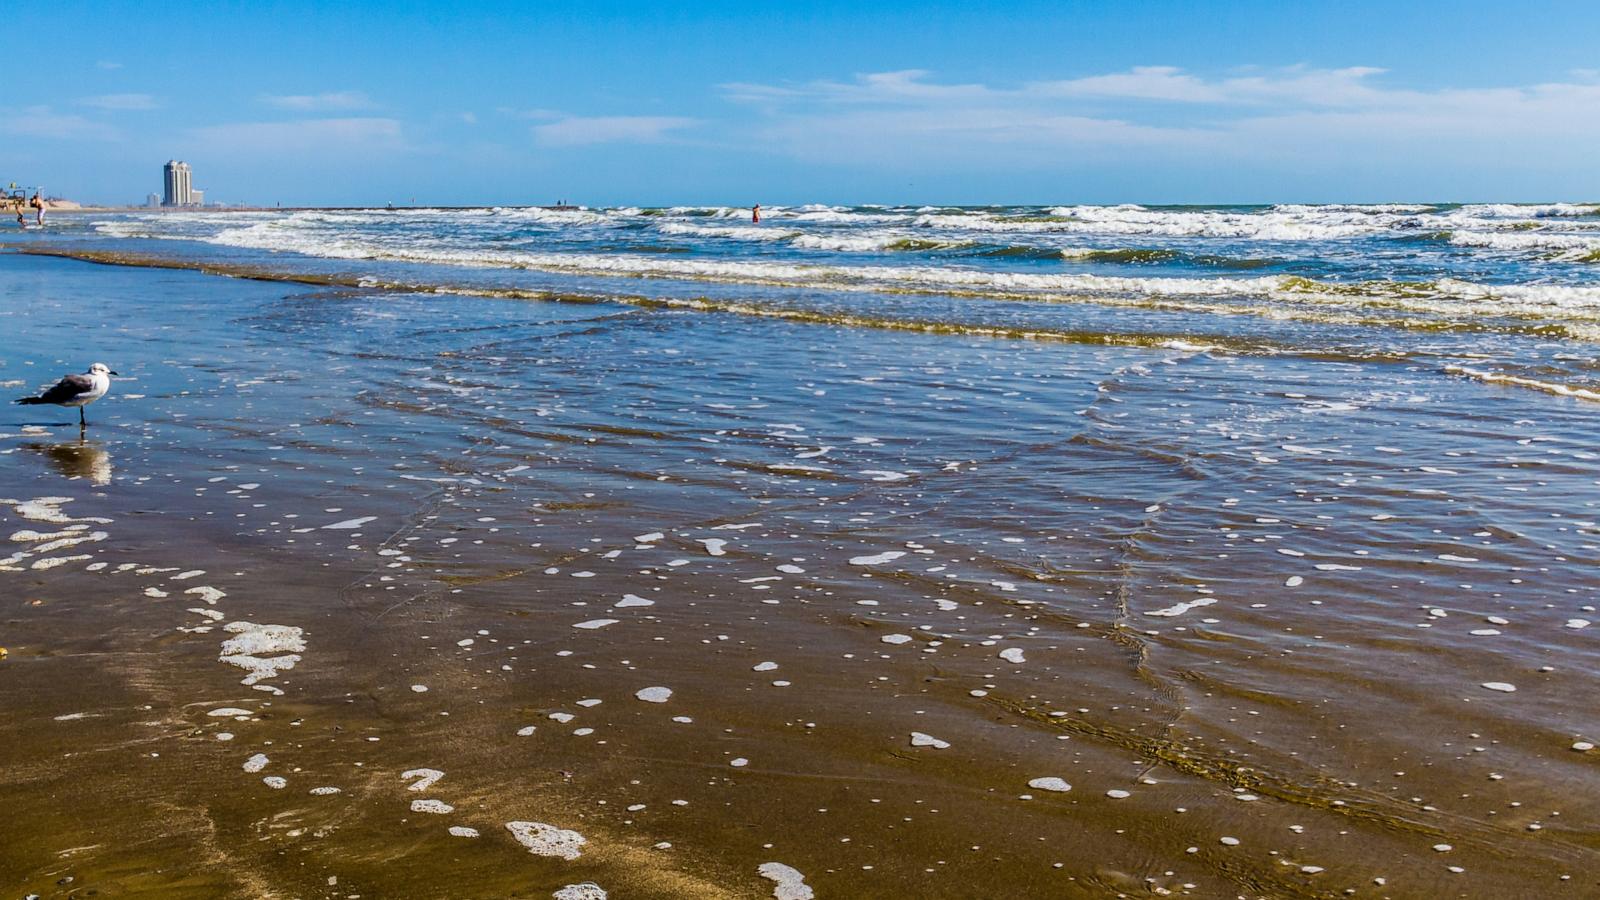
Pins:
x: 820, y: 554
x: 1479, y: 290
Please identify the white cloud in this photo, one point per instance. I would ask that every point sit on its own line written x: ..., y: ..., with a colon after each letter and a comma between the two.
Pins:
x: 108, y: 64
x: 903, y: 86
x: 325, y: 136
x: 1143, y: 82
x: 537, y: 114
x: 573, y: 131
x: 333, y: 100
x: 121, y: 102
x: 43, y: 122
x: 1165, y: 111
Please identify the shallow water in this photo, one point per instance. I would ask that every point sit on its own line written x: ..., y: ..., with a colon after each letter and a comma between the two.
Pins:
x: 1233, y: 566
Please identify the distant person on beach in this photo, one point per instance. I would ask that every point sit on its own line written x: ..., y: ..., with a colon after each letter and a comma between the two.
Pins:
x: 38, y: 208
x: 755, y: 214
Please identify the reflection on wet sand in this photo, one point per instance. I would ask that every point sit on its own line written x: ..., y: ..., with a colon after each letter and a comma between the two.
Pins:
x: 81, y: 458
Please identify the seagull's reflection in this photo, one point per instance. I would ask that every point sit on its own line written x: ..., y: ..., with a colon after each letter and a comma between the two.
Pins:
x: 77, y: 459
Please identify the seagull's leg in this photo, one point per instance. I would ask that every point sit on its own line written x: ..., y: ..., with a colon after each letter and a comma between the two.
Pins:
x: 82, y: 422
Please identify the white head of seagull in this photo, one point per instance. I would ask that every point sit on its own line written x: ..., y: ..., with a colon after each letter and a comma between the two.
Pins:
x: 76, y: 390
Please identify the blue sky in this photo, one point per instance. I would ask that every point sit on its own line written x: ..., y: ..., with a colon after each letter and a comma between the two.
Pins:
x: 715, y: 102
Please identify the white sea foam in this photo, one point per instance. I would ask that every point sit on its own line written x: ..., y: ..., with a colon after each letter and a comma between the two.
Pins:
x: 727, y: 232
x: 789, y: 883
x: 48, y: 509
x: 263, y: 651
x: 425, y: 778
x: 206, y: 593
x: 1272, y: 225
x: 1317, y: 209
x: 593, y: 624
x: 557, y: 217
x: 1181, y: 608
x: 1525, y: 210
x: 1573, y: 245
x: 877, y: 559
x: 838, y: 215
x: 548, y: 840
x: 55, y: 561
x: 1548, y: 387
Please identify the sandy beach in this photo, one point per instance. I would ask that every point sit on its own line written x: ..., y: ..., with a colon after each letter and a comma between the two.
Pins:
x: 364, y: 592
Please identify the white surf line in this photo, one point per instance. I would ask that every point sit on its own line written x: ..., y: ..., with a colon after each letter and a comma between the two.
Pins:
x: 1547, y: 387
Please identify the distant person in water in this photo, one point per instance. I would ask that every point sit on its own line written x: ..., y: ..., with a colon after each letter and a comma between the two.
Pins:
x: 755, y: 214
x: 38, y: 208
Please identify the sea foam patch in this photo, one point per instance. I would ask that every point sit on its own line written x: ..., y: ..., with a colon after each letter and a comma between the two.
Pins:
x: 263, y: 651
x: 48, y: 509
x: 1179, y: 609
x: 548, y: 840
x: 425, y: 778
x: 877, y: 559
x: 789, y: 884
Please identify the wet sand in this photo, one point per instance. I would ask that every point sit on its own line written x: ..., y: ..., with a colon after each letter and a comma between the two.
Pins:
x: 1259, y: 613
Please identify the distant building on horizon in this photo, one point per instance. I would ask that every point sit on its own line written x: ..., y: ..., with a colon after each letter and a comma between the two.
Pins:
x: 153, y: 200
x: 179, y: 189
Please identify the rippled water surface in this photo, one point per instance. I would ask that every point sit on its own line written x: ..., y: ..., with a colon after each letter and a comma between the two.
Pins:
x: 829, y: 549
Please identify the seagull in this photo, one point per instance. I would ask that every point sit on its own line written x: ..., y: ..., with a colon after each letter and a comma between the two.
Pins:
x: 76, y: 390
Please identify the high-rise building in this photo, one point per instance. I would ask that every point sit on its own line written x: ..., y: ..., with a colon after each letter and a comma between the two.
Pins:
x: 153, y: 200
x: 197, y: 197
x: 176, y: 181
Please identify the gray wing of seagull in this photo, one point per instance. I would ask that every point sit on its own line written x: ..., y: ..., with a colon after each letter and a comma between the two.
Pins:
x: 67, y: 389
